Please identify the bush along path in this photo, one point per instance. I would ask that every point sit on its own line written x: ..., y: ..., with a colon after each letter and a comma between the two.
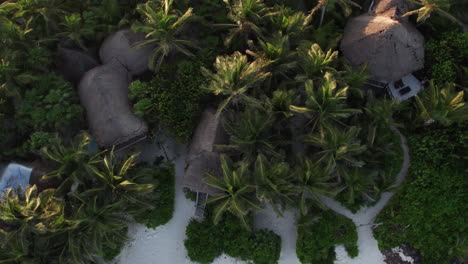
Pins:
x: 364, y: 219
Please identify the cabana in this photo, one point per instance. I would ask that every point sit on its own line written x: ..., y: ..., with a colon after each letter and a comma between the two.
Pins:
x: 391, y: 47
x: 203, y: 156
x: 104, y: 94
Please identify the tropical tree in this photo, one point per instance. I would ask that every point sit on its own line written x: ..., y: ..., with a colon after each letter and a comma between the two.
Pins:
x: 311, y: 180
x: 442, y: 105
x: 251, y: 134
x: 355, y: 78
x: 280, y: 102
x: 74, y: 163
x: 117, y: 180
x: 280, y: 59
x: 345, y: 5
x: 338, y: 148
x: 429, y: 6
x: 381, y: 112
x: 42, y: 14
x: 32, y: 227
x: 326, y: 104
x: 358, y: 185
x: 273, y: 182
x: 238, y: 192
x: 314, y: 62
x: 163, y: 26
x: 234, y: 77
x: 288, y: 22
x: 75, y: 30
x: 101, y: 227
x: 247, y: 16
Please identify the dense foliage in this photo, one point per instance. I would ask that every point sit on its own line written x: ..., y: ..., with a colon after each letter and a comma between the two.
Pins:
x: 319, y: 232
x: 164, y: 190
x: 84, y: 217
x: 447, y: 56
x: 172, y: 99
x: 430, y: 211
x: 206, y: 241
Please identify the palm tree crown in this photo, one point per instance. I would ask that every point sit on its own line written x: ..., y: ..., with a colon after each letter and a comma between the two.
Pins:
x: 163, y: 25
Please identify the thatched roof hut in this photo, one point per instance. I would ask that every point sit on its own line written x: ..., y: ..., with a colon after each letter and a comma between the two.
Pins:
x: 391, y: 48
x: 104, y: 94
x: 392, y: 8
x: 203, y: 155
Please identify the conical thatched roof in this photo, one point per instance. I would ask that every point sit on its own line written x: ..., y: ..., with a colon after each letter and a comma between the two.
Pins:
x: 104, y: 94
x: 392, y: 49
x: 203, y: 155
x: 392, y: 8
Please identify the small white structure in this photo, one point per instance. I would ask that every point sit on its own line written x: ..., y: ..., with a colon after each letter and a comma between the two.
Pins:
x: 14, y: 175
x: 405, y: 88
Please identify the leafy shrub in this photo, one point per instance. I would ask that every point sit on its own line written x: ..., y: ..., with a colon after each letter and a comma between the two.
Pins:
x: 445, y: 54
x: 173, y: 98
x: 49, y: 104
x: 316, y: 241
x: 430, y: 211
x: 206, y: 241
x: 164, y: 203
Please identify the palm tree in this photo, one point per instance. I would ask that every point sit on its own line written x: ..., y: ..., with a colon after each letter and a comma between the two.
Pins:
x: 311, y: 179
x: 288, y: 22
x: 314, y: 62
x: 118, y: 179
x: 442, y: 105
x: 381, y: 112
x: 338, y: 148
x: 344, y: 4
x: 280, y: 59
x: 42, y: 13
x: 75, y: 164
x: 251, y: 134
x: 429, y: 6
x: 280, y: 102
x: 273, y: 182
x: 234, y: 77
x: 355, y: 79
x: 163, y: 26
x: 32, y: 227
x: 326, y: 104
x: 358, y: 185
x: 247, y: 16
x: 75, y: 30
x: 99, y: 226
x: 238, y: 191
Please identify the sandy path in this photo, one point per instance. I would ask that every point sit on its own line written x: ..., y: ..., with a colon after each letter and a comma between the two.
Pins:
x: 284, y: 226
x: 165, y: 244
x: 369, y: 252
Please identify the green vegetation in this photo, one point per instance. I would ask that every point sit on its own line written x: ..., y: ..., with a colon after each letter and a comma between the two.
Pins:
x: 430, y: 211
x: 164, y: 190
x: 206, y: 241
x: 445, y: 56
x: 84, y: 217
x: 318, y: 233
x: 159, y: 101
x: 298, y: 121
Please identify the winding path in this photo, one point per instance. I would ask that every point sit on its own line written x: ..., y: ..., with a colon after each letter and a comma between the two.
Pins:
x: 369, y: 252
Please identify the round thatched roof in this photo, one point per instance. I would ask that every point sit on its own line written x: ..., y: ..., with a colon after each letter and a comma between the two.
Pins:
x: 104, y: 94
x: 392, y: 49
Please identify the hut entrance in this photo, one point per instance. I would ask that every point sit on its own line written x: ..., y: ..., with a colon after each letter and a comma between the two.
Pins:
x: 200, y: 204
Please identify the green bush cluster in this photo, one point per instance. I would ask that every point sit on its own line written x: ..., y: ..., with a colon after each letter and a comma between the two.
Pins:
x: 319, y: 234
x: 84, y: 217
x: 430, y: 211
x: 172, y: 99
x: 445, y: 55
x: 164, y: 190
x: 206, y: 241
